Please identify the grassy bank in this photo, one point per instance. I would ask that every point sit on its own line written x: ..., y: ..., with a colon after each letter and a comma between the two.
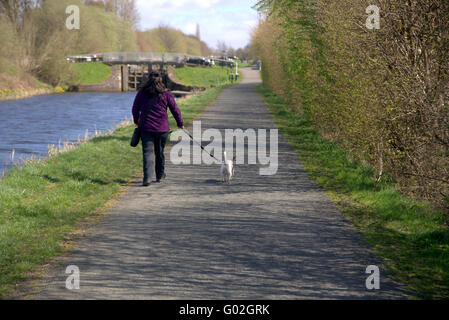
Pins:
x: 411, y: 235
x: 8, y: 94
x: 86, y: 73
x: 16, y: 84
x: 243, y: 64
x: 91, y: 72
x: 203, y: 76
x: 43, y: 202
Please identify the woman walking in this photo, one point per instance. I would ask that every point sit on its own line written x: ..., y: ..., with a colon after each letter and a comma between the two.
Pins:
x: 152, y: 100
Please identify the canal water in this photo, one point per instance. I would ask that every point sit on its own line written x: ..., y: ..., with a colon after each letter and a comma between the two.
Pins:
x: 29, y: 125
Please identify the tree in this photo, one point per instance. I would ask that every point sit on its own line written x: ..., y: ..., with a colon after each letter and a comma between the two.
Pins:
x: 15, y: 9
x: 126, y: 9
x: 96, y: 3
x: 222, y: 48
x: 168, y: 37
x: 205, y: 50
x: 383, y: 94
x: 231, y: 52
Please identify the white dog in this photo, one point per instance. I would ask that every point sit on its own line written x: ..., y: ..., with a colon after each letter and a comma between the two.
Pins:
x: 227, y: 169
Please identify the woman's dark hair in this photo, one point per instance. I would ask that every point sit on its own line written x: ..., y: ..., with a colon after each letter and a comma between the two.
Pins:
x: 154, y: 84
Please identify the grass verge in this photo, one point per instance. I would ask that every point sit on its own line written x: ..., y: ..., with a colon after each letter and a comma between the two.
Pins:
x: 42, y: 202
x: 203, y: 76
x: 412, y: 236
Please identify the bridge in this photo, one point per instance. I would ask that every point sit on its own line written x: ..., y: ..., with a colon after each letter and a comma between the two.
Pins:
x: 131, y: 68
x: 136, y: 58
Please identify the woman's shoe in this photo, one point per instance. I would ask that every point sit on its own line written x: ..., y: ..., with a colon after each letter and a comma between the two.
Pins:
x: 161, y: 178
x: 146, y: 183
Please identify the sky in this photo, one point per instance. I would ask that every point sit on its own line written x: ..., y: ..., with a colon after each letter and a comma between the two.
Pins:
x: 230, y: 21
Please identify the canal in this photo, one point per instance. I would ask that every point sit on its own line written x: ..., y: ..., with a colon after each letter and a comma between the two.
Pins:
x: 29, y: 125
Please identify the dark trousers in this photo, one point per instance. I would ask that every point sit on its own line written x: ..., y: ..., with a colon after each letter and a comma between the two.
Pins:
x: 153, y: 144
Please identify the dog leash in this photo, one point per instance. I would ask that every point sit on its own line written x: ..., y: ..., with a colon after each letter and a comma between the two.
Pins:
x: 199, y: 144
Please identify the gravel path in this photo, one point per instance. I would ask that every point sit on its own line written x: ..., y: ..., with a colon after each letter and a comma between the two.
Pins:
x: 192, y: 237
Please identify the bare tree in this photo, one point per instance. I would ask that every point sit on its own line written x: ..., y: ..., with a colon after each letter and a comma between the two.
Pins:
x: 126, y: 9
x: 96, y: 3
x: 15, y: 9
x: 222, y: 47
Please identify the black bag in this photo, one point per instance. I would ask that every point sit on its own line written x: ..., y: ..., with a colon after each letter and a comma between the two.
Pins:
x: 137, y: 131
x: 136, y: 137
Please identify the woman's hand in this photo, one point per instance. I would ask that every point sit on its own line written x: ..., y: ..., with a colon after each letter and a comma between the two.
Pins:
x: 182, y: 127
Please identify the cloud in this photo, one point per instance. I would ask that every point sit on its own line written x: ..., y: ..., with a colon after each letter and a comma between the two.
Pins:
x: 194, y: 3
x: 189, y: 28
x: 177, y: 4
x: 220, y: 20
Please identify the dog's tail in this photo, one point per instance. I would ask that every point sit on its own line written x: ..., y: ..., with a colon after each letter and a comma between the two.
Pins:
x: 224, y: 156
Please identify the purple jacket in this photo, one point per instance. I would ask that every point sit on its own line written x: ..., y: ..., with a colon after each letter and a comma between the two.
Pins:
x: 157, y: 119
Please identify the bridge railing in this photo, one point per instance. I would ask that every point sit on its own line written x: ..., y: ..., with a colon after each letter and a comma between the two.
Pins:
x: 149, y: 57
x: 142, y: 57
x: 146, y: 57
